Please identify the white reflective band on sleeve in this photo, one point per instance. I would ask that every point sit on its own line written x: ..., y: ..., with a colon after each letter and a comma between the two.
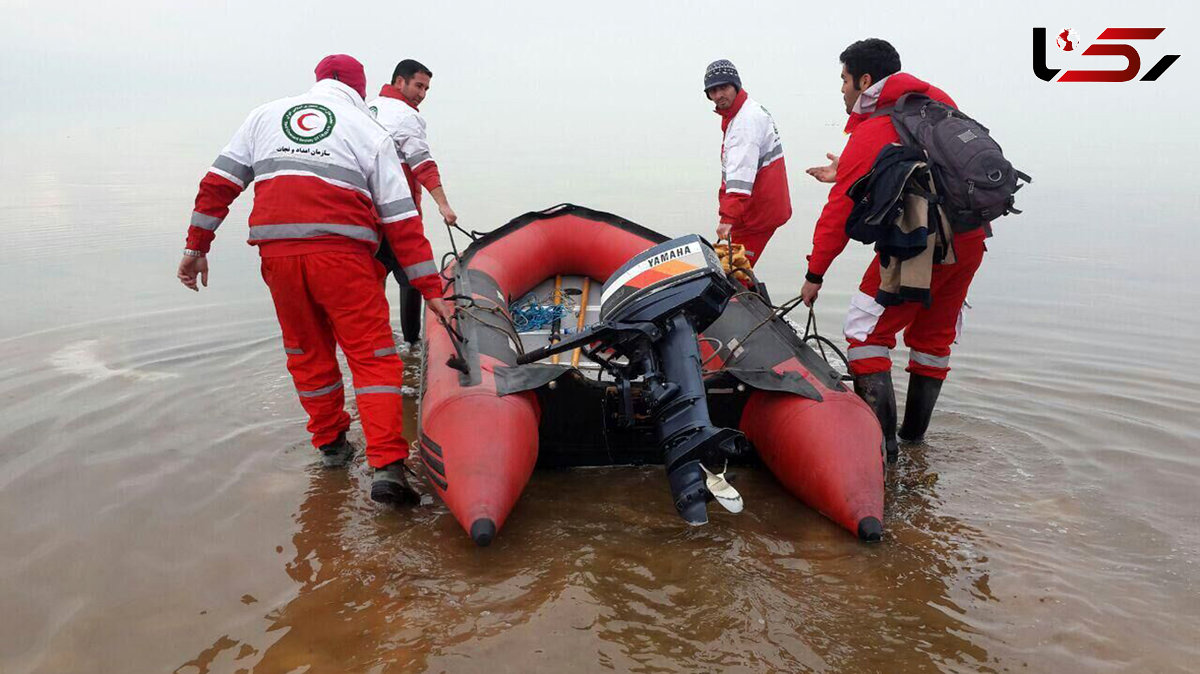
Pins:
x: 294, y: 352
x: 319, y: 392
x: 861, y: 352
x: 417, y: 158
x: 378, y: 389
x: 228, y: 176
x: 307, y: 230
x: 397, y: 207
x: 771, y: 155
x: 387, y: 220
x: 209, y: 222
x: 235, y: 169
x: 738, y: 186
x: 420, y: 269
x: 928, y: 360
x: 380, y: 353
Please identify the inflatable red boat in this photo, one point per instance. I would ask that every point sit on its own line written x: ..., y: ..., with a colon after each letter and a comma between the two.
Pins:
x: 622, y: 378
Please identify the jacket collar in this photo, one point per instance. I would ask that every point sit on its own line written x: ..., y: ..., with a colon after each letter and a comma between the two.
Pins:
x: 389, y: 91
x: 339, y: 90
x: 869, y: 99
x: 729, y: 113
x: 866, y: 104
x: 882, y: 94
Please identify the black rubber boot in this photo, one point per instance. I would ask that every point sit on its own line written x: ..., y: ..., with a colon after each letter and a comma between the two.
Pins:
x: 337, y: 453
x: 390, y: 486
x: 876, y: 389
x: 918, y: 407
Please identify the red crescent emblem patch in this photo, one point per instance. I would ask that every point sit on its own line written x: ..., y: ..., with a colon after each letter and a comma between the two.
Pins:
x: 300, y: 121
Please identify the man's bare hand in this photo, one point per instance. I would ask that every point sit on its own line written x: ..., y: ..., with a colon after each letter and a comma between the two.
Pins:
x: 441, y: 308
x: 809, y: 292
x: 448, y: 214
x: 723, y: 230
x: 825, y: 174
x: 190, y: 268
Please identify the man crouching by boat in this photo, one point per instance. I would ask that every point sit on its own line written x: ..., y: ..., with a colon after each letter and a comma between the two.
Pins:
x: 327, y: 185
x: 754, y: 199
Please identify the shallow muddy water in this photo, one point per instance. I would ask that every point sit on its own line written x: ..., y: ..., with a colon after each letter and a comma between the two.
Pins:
x: 162, y: 511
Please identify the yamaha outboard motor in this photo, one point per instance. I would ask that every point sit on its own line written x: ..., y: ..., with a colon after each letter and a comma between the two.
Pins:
x: 651, y: 311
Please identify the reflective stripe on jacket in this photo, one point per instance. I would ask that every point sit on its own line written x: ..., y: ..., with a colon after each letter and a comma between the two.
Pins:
x: 402, y: 119
x: 326, y: 177
x: 754, y: 189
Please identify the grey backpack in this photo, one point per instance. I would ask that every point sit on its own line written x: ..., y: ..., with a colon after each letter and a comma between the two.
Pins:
x: 970, y: 172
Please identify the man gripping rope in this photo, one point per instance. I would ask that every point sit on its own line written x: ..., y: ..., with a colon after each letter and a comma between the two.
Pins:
x: 328, y: 187
x: 396, y: 109
x: 872, y: 83
x: 754, y: 199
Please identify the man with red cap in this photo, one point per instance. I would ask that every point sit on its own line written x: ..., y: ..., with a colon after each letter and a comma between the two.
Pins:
x: 328, y: 187
x: 754, y: 200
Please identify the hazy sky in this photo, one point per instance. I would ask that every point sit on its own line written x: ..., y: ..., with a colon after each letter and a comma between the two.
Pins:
x: 599, y: 103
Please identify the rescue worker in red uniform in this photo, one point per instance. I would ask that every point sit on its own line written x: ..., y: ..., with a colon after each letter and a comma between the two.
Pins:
x: 396, y: 109
x: 754, y: 199
x: 871, y: 82
x: 328, y: 187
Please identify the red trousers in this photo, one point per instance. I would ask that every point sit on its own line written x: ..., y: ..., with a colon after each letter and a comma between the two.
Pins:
x: 928, y: 331
x: 333, y: 299
x: 754, y: 242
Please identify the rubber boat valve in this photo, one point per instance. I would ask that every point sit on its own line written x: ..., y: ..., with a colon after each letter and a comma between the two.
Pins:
x: 483, y: 530
x: 651, y: 311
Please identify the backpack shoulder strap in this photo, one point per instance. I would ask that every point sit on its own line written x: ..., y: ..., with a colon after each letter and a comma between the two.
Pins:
x: 904, y: 104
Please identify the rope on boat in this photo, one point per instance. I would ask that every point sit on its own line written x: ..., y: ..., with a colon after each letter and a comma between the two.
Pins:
x: 810, y: 331
x: 533, y: 313
x: 776, y: 312
x: 470, y: 307
x: 811, y: 335
x: 529, y: 314
x: 472, y: 235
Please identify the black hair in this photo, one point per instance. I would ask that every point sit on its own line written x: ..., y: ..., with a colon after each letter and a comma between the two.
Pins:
x: 874, y: 57
x: 407, y: 68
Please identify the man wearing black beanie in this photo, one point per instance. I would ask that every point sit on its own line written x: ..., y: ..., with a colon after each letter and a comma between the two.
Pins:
x: 754, y: 198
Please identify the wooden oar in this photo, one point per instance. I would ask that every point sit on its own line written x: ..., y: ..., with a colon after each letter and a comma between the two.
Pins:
x: 556, y: 326
x: 583, y: 307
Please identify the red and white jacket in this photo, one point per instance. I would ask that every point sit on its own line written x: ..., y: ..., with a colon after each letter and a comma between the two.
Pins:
x: 326, y: 178
x: 754, y: 188
x: 868, y: 136
x: 402, y: 119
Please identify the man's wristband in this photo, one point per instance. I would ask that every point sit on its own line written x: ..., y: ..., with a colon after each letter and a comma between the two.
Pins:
x: 814, y: 278
x: 188, y: 252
